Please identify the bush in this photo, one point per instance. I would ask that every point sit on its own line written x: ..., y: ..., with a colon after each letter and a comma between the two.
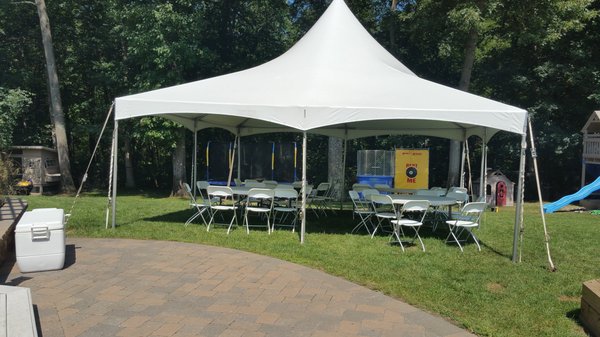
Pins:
x: 7, y: 171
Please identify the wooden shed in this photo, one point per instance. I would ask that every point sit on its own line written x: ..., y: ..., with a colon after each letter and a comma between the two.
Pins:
x: 500, y: 191
x: 37, y: 164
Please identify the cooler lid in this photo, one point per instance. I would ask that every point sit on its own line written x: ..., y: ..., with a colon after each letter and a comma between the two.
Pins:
x: 53, y: 218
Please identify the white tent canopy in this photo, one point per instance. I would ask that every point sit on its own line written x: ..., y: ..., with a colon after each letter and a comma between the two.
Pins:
x: 337, y: 81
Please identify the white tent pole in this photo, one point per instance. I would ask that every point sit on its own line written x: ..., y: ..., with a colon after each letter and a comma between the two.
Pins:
x: 482, y: 187
x: 539, y: 191
x: 114, y: 184
x: 583, y: 162
x: 462, y: 163
x: 518, y: 230
x: 343, y: 187
x: 485, y: 165
x: 239, y: 156
x: 195, y: 161
x: 110, y: 177
x: 469, y: 169
x: 303, y: 225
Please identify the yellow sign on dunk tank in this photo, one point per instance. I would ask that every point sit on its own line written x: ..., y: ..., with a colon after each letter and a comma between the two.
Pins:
x: 412, y: 169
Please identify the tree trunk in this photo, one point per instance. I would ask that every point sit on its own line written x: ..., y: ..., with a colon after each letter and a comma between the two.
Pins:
x: 463, y: 84
x: 467, y: 69
x: 334, y: 165
x: 129, y: 177
x: 179, y: 165
x: 392, y: 26
x: 56, y: 109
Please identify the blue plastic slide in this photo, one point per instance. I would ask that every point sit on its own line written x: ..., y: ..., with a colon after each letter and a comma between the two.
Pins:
x: 581, y: 194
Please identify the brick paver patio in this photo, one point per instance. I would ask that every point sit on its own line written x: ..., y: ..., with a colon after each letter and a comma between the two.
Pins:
x: 114, y: 287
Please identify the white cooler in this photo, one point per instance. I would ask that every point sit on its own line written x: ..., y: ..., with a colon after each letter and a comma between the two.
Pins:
x: 40, y: 240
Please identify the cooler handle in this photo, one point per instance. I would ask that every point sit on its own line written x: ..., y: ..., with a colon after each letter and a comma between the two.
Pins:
x: 40, y: 233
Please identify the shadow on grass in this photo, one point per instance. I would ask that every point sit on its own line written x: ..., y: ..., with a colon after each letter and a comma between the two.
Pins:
x: 574, y: 315
x: 338, y: 223
x: 440, y: 233
x: 174, y: 217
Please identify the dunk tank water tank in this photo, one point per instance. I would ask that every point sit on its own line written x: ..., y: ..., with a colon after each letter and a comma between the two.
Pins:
x: 375, y: 167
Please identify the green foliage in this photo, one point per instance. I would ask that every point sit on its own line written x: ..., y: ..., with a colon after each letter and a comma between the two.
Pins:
x: 7, y: 181
x: 12, y: 103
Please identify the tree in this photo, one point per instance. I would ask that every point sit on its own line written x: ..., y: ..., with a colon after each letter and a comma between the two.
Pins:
x: 56, y: 109
x: 335, y: 159
x: 12, y: 103
x: 520, y: 58
x: 179, y: 172
x: 127, y: 153
x: 472, y: 17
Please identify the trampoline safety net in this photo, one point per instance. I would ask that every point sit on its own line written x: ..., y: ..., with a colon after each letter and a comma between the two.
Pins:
x: 262, y: 161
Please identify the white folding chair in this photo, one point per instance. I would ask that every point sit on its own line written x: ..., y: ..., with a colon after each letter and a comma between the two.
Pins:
x: 363, y: 209
x: 202, y: 188
x: 359, y: 187
x: 468, y: 219
x: 316, y: 198
x: 320, y: 198
x: 254, y: 184
x: 225, y: 203
x: 286, y: 204
x: 285, y: 187
x: 443, y: 213
x: 381, y: 188
x: 457, y: 189
x: 272, y: 184
x: 366, y: 194
x: 202, y: 185
x: 431, y: 193
x: 260, y: 200
x: 420, y: 207
x: 198, y: 203
x: 238, y: 182
x: 460, y: 197
x: 383, y: 206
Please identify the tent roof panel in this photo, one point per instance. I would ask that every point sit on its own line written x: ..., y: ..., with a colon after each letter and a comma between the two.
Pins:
x: 337, y: 74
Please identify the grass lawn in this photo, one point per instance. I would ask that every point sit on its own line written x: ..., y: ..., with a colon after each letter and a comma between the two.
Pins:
x: 481, y: 291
